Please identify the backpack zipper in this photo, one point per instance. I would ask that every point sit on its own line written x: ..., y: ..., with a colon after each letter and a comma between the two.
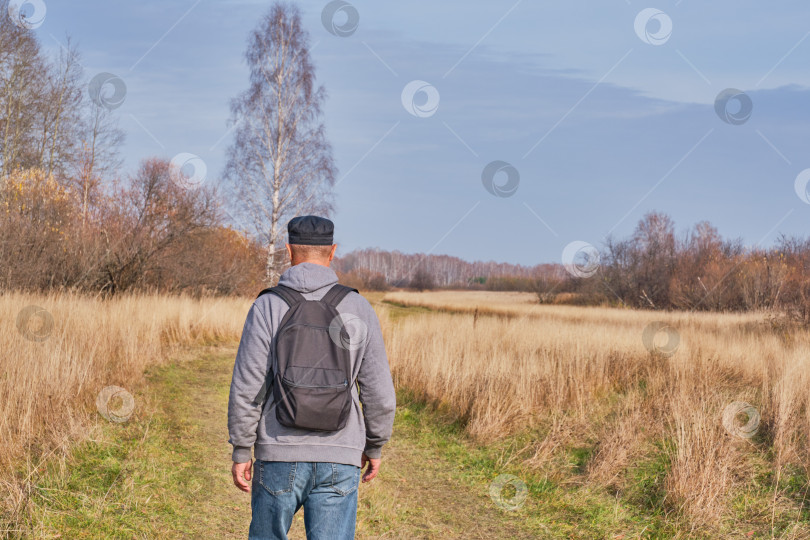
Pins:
x: 306, y: 325
x: 289, y: 382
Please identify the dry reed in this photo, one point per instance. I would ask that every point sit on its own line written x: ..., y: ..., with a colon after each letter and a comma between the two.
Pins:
x: 59, y: 355
x: 584, y: 377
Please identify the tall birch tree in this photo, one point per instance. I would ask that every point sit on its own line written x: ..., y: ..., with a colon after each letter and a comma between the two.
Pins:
x: 280, y: 163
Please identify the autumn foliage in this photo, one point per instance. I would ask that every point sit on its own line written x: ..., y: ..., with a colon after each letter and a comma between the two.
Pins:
x: 150, y: 232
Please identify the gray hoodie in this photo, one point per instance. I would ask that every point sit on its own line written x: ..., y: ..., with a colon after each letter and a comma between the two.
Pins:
x: 251, y: 418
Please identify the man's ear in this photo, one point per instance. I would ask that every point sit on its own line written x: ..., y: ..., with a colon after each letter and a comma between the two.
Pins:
x: 289, y: 251
x: 332, y: 253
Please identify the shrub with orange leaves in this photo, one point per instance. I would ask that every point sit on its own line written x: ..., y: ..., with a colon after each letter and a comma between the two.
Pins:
x: 36, y: 214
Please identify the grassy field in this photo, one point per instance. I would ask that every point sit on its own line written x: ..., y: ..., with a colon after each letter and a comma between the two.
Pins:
x: 514, y: 420
x: 698, y: 422
x: 59, y: 354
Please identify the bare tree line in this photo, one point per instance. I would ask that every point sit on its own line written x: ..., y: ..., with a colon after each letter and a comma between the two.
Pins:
x: 46, y: 119
x: 393, y: 268
x: 699, y: 270
x: 70, y: 220
x: 654, y: 268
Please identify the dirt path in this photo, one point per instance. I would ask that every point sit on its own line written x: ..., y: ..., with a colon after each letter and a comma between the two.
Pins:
x: 193, y: 396
x: 419, y: 494
x: 165, y: 473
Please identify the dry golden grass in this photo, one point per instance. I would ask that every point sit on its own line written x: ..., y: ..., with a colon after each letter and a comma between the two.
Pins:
x: 500, y: 303
x: 523, y: 304
x: 49, y: 386
x: 573, y: 377
x: 583, y: 377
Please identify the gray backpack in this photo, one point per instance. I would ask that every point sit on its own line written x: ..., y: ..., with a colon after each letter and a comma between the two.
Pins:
x: 312, y: 384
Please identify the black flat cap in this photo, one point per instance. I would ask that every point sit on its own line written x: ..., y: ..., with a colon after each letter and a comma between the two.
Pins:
x: 311, y: 231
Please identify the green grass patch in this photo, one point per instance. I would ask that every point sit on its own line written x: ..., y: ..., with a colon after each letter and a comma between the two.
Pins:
x: 399, y: 310
x: 146, y: 478
x: 568, y: 509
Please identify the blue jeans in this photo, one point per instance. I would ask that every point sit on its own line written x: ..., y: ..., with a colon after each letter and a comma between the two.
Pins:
x: 327, y: 491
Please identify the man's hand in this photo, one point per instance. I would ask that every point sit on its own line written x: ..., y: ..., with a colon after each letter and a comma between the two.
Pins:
x: 373, y: 467
x: 241, y: 475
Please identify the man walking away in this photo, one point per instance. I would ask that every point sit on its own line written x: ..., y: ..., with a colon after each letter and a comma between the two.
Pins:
x: 294, y: 400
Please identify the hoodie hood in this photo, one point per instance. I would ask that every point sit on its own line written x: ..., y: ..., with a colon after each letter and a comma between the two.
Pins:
x: 308, y: 277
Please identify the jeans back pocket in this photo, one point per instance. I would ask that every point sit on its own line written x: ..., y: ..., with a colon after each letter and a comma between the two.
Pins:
x: 345, y: 478
x: 277, y: 477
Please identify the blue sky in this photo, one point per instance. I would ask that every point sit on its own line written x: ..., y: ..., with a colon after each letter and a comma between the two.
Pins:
x: 600, y: 125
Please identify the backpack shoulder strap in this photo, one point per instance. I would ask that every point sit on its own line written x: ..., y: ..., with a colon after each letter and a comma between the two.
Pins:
x: 290, y: 296
x: 337, y: 293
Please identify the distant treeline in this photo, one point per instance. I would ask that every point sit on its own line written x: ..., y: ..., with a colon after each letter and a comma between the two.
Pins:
x: 654, y: 268
x: 697, y: 270
x: 378, y: 269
